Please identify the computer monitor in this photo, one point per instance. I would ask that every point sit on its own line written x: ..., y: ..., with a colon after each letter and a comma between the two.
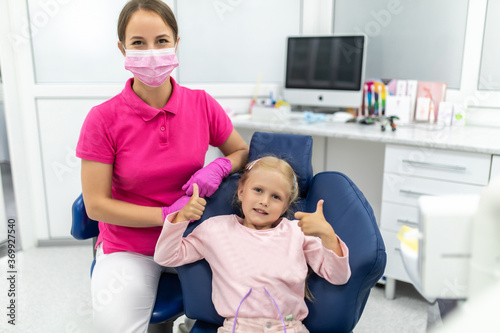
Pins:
x: 325, y: 71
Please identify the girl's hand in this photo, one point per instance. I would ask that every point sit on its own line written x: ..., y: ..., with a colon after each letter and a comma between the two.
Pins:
x: 315, y: 224
x: 193, y: 210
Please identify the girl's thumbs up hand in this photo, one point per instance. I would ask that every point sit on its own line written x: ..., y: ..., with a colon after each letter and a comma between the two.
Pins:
x: 315, y: 224
x: 193, y: 210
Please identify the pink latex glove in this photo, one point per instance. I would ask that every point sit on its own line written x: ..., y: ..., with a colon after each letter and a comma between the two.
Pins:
x: 175, y: 207
x: 209, y: 177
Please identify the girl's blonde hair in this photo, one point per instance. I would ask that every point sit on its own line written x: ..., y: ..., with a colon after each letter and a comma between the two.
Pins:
x: 277, y: 164
x: 157, y: 6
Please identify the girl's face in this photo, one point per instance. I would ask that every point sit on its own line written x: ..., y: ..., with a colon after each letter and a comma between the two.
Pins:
x: 264, y: 198
x: 146, y: 30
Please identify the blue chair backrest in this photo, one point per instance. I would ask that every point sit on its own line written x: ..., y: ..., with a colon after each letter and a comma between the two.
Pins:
x: 295, y: 149
x: 335, y: 308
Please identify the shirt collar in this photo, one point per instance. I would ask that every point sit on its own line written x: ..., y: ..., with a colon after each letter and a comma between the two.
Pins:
x: 145, y: 111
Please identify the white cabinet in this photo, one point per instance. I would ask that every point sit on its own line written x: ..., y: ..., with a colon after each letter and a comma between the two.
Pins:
x: 495, y: 166
x: 407, y: 189
x: 410, y: 172
x: 363, y: 162
x: 460, y: 167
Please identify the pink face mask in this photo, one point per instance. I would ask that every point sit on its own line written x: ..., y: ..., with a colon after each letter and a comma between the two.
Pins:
x: 152, y: 67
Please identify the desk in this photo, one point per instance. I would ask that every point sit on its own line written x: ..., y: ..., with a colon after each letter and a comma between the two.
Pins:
x: 469, y: 139
x: 359, y: 151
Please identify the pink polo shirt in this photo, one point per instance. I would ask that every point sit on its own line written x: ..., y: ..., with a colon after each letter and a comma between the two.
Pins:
x: 153, y: 151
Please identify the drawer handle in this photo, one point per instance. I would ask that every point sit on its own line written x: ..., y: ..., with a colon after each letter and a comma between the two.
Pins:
x: 407, y: 222
x: 413, y: 193
x: 436, y: 165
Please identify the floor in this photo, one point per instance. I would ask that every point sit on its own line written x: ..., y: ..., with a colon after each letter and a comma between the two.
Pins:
x: 407, y: 313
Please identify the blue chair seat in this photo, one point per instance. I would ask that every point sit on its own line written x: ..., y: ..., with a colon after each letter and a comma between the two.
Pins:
x: 169, y: 302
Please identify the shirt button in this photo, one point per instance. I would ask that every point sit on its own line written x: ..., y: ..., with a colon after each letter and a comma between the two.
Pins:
x: 268, y: 325
x: 162, y: 128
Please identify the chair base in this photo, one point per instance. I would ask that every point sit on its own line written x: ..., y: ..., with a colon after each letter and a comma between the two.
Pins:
x: 204, y: 327
x: 166, y: 327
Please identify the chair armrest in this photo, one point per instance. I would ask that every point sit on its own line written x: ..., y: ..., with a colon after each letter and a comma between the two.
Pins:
x: 82, y: 226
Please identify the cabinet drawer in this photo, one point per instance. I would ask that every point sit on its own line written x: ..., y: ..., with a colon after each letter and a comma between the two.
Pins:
x: 463, y: 167
x: 406, y: 190
x: 395, y: 268
x: 394, y: 216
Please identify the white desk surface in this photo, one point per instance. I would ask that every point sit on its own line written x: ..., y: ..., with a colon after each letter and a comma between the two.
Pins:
x: 469, y: 138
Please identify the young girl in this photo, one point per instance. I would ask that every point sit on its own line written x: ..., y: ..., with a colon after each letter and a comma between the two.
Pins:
x: 259, y: 260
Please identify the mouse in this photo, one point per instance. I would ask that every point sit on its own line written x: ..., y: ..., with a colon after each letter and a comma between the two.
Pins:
x: 367, y: 121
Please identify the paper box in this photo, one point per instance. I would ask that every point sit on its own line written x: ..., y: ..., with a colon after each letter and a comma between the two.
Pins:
x: 270, y: 114
x: 398, y: 106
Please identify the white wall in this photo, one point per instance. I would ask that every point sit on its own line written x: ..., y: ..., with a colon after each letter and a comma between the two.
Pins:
x: 15, y: 76
x: 4, y: 148
x: 22, y: 96
x: 35, y: 146
x: 4, y: 152
x: 468, y: 94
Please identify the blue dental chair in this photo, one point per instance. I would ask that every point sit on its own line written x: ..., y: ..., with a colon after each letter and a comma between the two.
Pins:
x: 335, y: 308
x: 168, y: 305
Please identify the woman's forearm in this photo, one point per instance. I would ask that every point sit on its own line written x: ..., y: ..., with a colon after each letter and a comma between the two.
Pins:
x: 122, y: 213
x: 100, y: 206
x: 238, y: 159
x: 235, y: 149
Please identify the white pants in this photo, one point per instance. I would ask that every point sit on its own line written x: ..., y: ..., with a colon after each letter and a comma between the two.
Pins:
x: 124, y: 286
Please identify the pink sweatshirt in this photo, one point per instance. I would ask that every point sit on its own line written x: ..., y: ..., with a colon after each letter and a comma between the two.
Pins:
x: 242, y: 258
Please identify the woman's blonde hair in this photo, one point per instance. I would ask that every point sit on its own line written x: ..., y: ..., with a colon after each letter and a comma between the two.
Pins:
x: 277, y: 164
x: 157, y: 6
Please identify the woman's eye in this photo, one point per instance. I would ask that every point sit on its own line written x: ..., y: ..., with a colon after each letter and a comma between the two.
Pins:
x: 137, y: 42
x: 162, y: 41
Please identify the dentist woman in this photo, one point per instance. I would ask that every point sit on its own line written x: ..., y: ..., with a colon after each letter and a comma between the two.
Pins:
x: 141, y: 152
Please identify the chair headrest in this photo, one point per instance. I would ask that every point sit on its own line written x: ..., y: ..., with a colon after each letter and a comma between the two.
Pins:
x: 295, y: 149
